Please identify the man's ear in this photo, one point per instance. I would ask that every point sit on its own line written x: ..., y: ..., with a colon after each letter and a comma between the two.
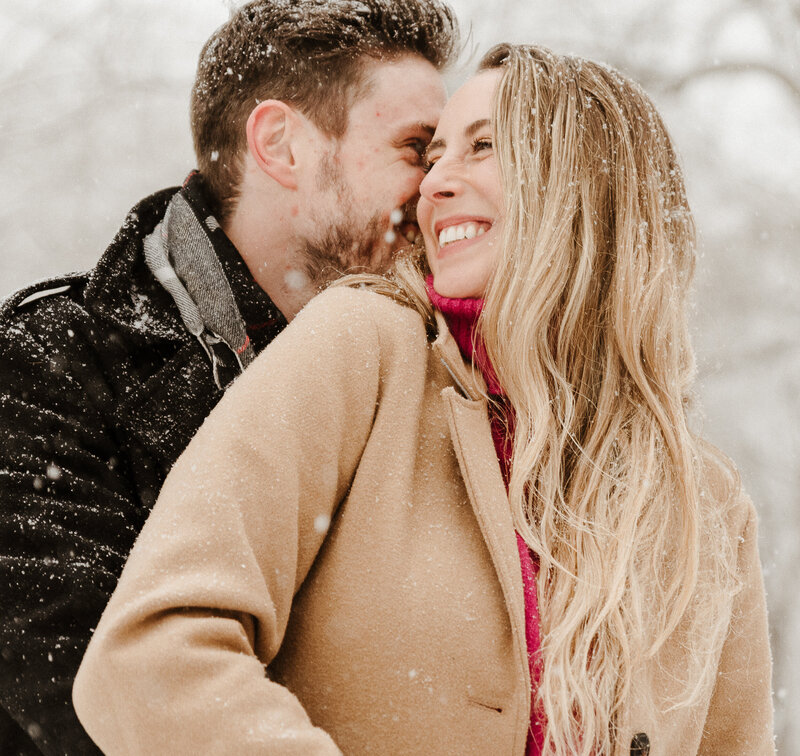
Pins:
x: 271, y: 131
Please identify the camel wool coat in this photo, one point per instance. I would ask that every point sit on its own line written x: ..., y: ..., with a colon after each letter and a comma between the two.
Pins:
x: 331, y: 567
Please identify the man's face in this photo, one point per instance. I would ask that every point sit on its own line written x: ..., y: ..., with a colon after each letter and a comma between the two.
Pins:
x: 367, y: 182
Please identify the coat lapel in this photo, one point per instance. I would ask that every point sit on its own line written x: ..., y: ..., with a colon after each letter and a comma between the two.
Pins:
x: 471, y: 435
x: 472, y: 441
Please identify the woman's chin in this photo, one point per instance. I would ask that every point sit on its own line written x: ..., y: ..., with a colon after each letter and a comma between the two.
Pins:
x: 457, y: 288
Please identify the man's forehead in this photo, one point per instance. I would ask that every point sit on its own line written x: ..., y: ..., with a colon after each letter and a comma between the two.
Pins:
x: 409, y: 89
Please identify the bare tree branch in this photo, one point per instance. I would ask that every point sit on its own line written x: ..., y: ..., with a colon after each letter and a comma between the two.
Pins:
x: 656, y: 79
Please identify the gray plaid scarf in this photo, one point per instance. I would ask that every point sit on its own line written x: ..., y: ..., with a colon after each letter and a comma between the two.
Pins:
x: 182, y: 258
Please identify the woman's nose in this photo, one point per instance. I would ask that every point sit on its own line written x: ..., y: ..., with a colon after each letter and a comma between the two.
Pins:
x: 440, y: 182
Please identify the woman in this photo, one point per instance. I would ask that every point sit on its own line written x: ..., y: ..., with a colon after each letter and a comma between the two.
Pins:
x: 467, y: 517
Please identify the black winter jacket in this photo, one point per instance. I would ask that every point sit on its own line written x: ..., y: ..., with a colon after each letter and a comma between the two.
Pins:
x: 101, y: 388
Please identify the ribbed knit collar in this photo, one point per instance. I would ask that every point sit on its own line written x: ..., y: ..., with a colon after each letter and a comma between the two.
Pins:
x: 462, y: 318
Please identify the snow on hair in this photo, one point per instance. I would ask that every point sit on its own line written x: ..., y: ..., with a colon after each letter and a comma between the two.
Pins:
x: 585, y: 324
x: 313, y: 54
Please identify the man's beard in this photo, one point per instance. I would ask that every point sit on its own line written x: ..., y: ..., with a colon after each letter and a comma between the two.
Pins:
x: 345, y: 245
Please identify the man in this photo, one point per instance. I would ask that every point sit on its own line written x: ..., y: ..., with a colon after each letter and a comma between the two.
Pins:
x: 309, y: 120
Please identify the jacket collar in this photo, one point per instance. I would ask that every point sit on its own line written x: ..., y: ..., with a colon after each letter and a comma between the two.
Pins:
x: 121, y: 289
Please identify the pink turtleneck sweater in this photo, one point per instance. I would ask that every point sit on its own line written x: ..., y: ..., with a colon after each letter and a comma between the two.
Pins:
x: 462, y: 316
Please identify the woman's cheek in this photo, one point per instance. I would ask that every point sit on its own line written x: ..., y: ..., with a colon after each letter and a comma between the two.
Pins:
x: 424, y: 211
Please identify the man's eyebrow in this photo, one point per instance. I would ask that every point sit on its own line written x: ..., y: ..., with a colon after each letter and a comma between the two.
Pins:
x: 415, y: 128
x: 470, y: 131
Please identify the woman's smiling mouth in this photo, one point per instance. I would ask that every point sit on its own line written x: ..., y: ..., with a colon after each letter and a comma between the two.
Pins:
x: 454, y: 230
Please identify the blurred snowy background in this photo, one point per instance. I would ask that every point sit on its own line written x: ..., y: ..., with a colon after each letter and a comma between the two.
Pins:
x: 95, y: 99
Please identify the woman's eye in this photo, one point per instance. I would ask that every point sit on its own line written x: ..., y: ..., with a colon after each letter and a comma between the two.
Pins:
x: 427, y: 164
x: 483, y: 143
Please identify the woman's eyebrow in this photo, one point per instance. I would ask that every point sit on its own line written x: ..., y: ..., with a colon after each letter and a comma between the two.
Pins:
x: 434, y: 145
x: 469, y: 132
x: 476, y: 126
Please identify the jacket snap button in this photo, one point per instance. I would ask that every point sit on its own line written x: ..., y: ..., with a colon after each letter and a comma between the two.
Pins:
x: 640, y: 744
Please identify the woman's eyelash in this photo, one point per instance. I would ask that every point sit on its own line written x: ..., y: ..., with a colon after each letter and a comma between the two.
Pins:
x: 477, y: 145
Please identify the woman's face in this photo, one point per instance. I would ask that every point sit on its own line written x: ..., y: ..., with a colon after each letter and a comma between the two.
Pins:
x: 460, y: 208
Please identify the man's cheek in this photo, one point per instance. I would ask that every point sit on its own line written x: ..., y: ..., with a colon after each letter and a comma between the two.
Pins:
x: 408, y: 186
x: 419, y: 174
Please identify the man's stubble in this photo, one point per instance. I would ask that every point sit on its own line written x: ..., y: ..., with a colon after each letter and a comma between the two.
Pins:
x: 346, y: 244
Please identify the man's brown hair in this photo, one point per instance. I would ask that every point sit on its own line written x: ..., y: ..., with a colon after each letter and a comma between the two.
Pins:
x: 311, y: 54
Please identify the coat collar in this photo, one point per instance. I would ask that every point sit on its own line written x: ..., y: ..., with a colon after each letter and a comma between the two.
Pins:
x: 467, y: 378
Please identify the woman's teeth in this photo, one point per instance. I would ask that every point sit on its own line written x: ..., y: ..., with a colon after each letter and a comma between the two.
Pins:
x: 464, y: 231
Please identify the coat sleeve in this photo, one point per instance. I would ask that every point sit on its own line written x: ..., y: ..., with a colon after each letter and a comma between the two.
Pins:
x: 67, y: 521
x: 739, y: 718
x: 177, y: 664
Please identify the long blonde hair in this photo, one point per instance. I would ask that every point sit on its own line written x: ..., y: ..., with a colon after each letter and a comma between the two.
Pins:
x: 585, y: 325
